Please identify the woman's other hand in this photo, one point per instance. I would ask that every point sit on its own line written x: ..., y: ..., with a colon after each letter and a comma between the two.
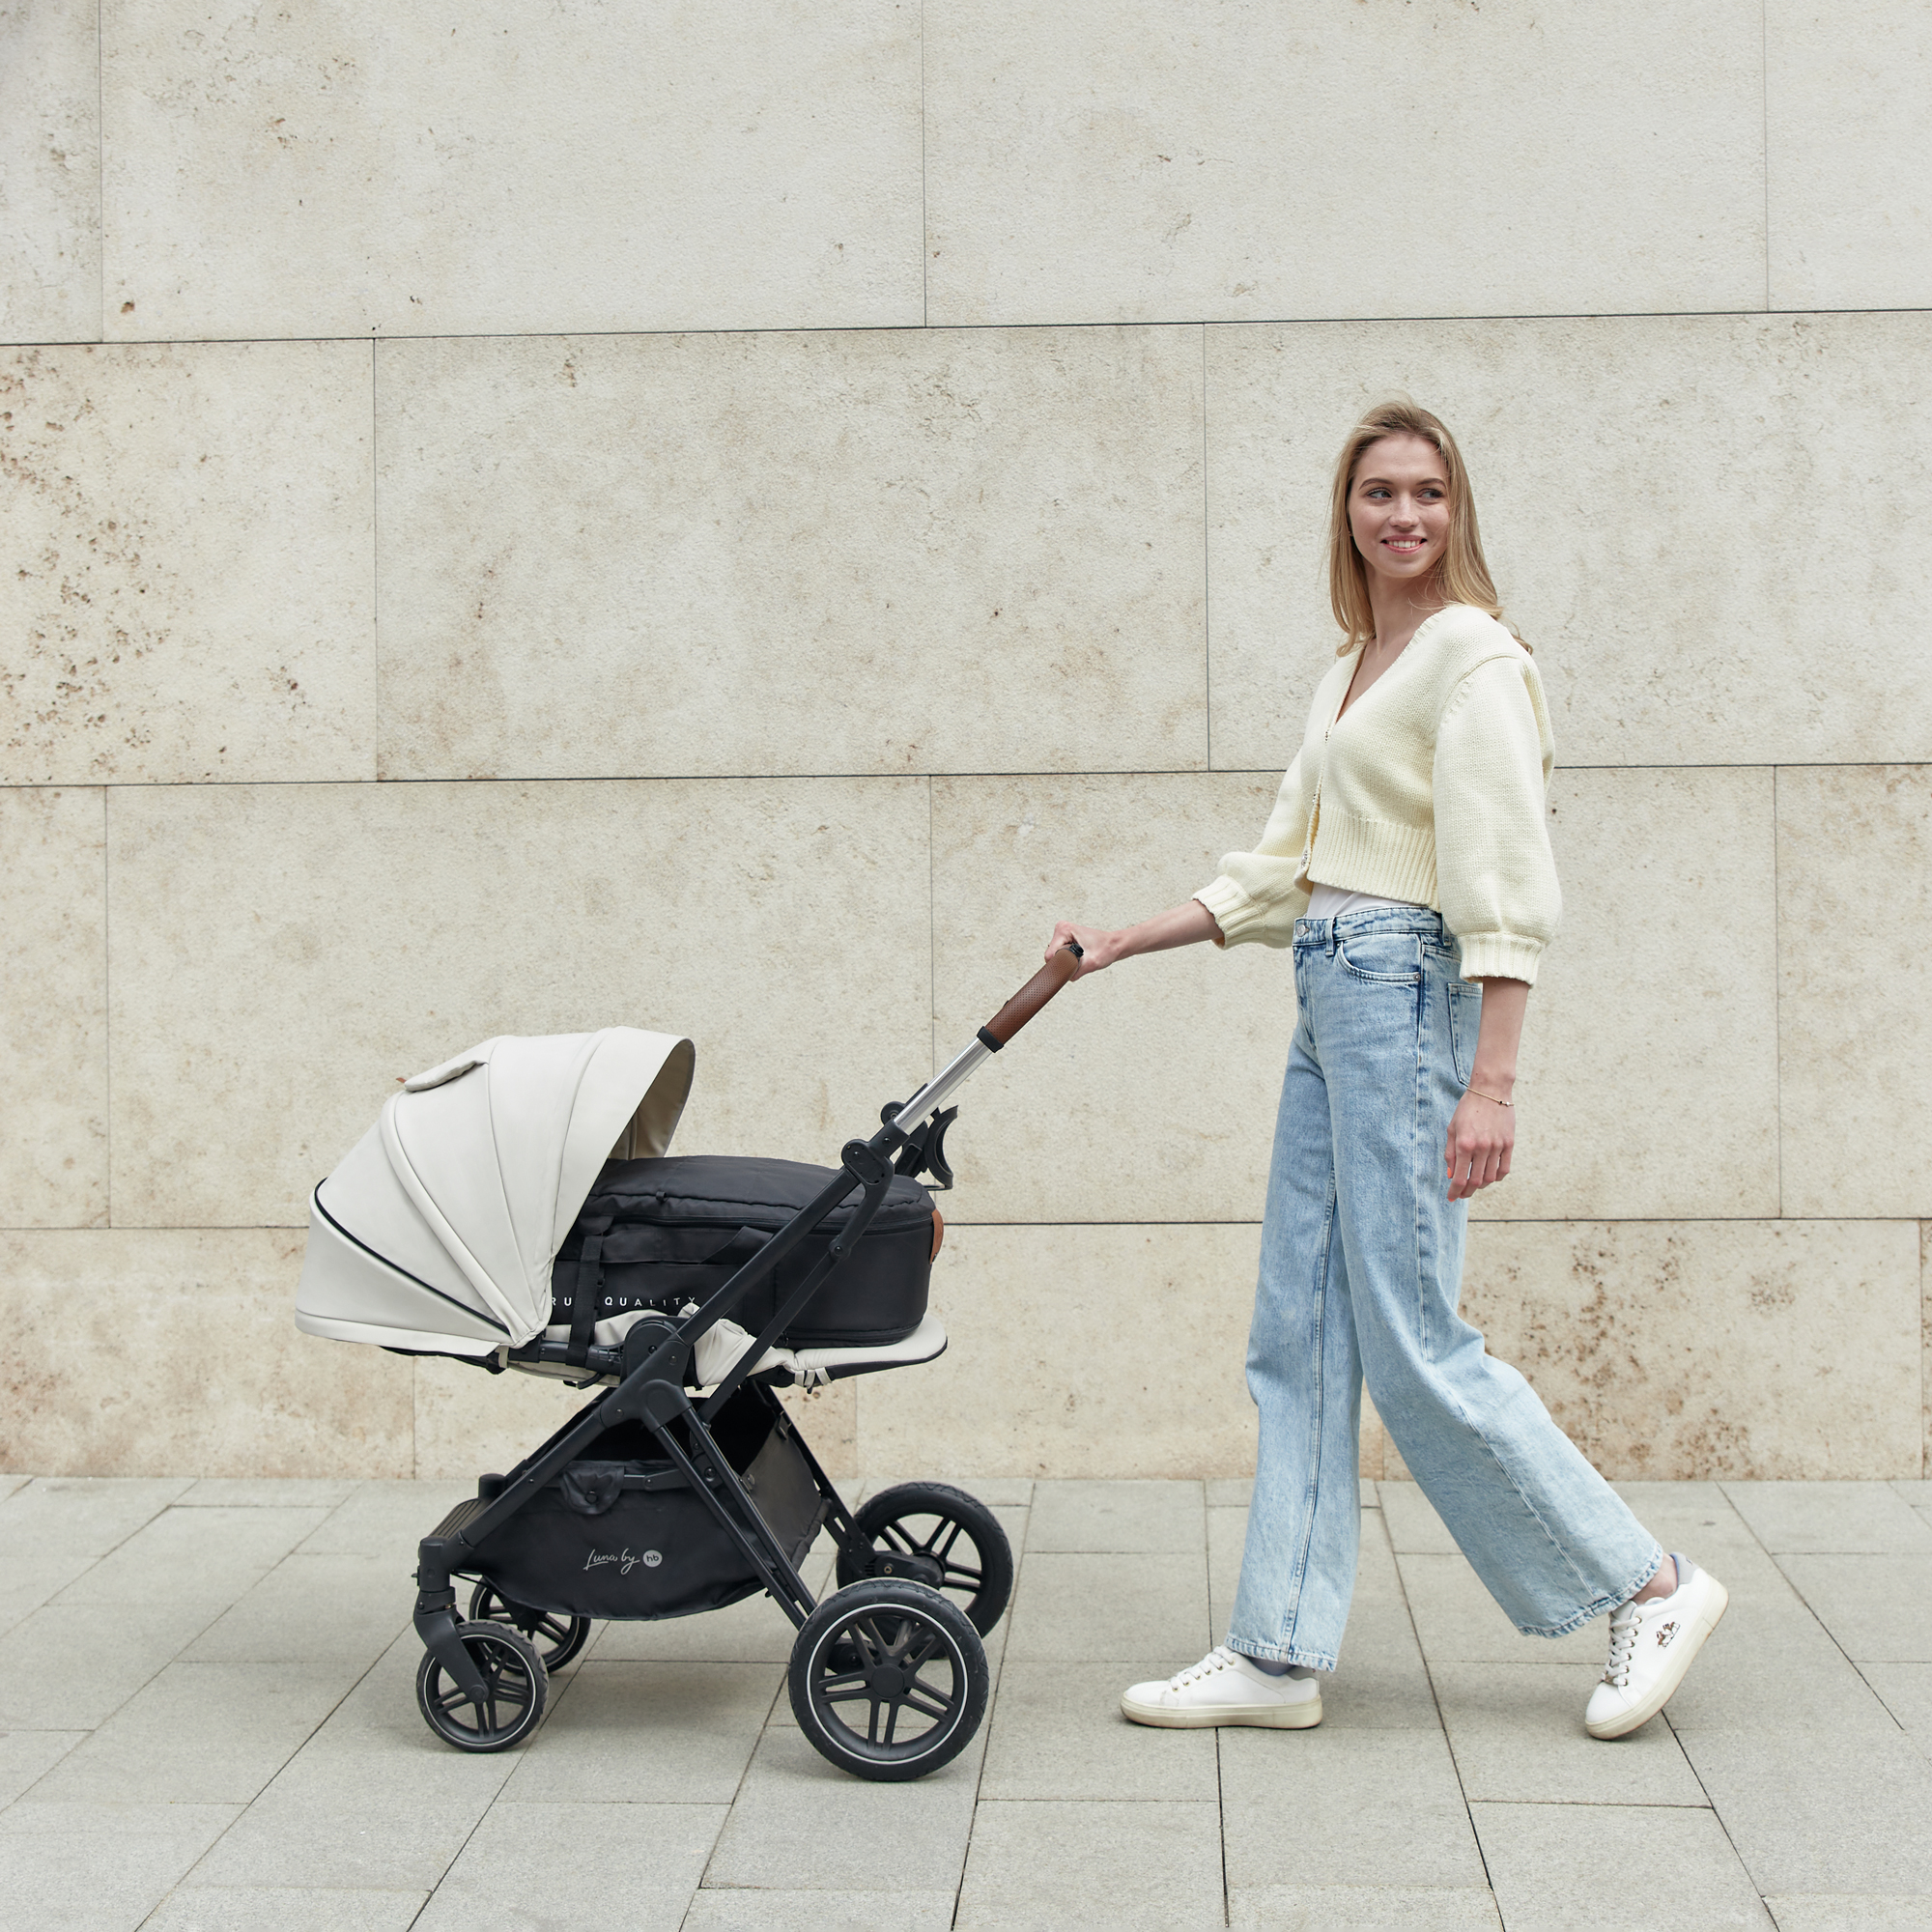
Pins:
x: 1481, y: 1138
x: 1482, y: 1134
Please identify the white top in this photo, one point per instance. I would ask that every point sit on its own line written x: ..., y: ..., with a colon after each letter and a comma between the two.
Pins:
x: 1332, y: 901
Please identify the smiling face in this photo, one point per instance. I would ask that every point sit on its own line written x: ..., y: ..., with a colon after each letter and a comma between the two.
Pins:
x: 1399, y: 508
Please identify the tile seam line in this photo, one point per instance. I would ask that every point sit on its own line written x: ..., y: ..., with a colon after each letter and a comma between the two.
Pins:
x: 916, y: 328
x: 1046, y: 775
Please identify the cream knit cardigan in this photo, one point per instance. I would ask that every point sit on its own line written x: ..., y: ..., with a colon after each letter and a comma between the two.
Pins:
x: 1430, y: 788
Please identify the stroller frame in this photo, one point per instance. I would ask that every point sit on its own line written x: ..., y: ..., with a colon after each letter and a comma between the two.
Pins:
x: 650, y: 1367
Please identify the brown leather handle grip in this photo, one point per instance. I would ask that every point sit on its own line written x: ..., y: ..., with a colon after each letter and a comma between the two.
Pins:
x: 1035, y: 994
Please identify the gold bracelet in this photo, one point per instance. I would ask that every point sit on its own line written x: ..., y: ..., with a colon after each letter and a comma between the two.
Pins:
x: 1495, y: 1098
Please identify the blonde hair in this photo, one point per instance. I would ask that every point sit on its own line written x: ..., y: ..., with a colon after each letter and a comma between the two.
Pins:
x: 1462, y: 577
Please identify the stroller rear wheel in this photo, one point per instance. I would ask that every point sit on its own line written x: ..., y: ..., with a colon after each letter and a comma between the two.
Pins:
x: 933, y: 1534
x: 557, y: 1638
x: 517, y: 1682
x: 889, y: 1680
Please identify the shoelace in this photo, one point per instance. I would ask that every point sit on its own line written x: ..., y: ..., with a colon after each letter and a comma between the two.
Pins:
x: 1220, y: 1657
x: 1623, y: 1641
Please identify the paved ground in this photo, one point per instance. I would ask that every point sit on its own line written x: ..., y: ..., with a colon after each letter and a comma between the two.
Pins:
x: 210, y: 1722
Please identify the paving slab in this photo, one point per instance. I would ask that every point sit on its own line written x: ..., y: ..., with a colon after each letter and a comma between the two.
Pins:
x: 266, y: 1492
x: 333, y: 1608
x: 1057, y: 1732
x: 1905, y: 1690
x: 81, y: 1516
x: 373, y: 1801
x: 1365, y: 1907
x: 65, y: 1668
x: 195, y: 1555
x: 1414, y: 1526
x: 1227, y: 1538
x: 9, y: 1484
x: 1877, y: 1608
x: 1111, y: 1608
x: 26, y: 1582
x: 386, y: 1519
x: 1614, y: 1868
x: 1457, y: 1619
x: 1236, y: 1492
x: 802, y: 1824
x: 27, y: 1756
x: 1695, y: 1517
x: 1862, y: 1912
x: 1768, y: 1635
x: 98, y: 1866
x: 1383, y: 1806
x: 746, y: 1911
x: 201, y: 1733
x: 1516, y: 1732
x: 1814, y: 1812
x: 1034, y: 1868
x: 647, y: 1733
x: 1834, y: 1519
x: 599, y: 1867
x: 1114, y: 1519
x: 248, y: 1907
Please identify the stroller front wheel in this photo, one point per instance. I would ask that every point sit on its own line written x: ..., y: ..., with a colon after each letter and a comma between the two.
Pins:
x: 517, y: 1684
x: 889, y: 1680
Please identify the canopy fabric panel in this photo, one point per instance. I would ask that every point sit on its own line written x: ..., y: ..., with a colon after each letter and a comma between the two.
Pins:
x: 444, y: 1219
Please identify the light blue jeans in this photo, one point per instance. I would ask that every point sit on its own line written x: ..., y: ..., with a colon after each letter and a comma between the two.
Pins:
x: 1361, y: 1271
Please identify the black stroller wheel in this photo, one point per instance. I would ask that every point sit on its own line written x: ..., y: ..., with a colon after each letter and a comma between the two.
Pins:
x: 517, y: 1683
x: 933, y: 1534
x: 889, y: 1680
x: 557, y: 1638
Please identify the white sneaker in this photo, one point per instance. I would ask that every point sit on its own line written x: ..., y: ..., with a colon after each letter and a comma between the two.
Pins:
x: 1651, y: 1647
x: 1226, y: 1688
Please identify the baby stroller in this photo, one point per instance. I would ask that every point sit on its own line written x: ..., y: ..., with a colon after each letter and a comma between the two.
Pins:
x: 514, y: 1209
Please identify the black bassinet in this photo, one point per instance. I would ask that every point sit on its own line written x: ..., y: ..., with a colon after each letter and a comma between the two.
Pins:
x: 660, y: 1234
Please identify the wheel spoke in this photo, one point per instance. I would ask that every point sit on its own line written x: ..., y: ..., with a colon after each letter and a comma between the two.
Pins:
x: 892, y: 1721
x: 894, y: 1535
x: 945, y: 1550
x: 962, y: 1577
x: 940, y: 1706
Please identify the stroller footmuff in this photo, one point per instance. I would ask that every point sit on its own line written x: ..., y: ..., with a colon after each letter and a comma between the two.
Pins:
x: 515, y: 1207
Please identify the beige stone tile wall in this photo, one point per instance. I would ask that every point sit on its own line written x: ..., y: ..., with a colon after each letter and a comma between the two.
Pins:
x: 734, y: 518
x: 1136, y: 162
x: 449, y: 168
x: 897, y: 552
x: 51, y: 187
x: 189, y: 596
x: 53, y: 1022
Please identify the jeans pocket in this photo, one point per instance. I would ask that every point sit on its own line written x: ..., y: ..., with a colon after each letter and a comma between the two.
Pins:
x: 1384, y: 958
x: 1465, y: 1021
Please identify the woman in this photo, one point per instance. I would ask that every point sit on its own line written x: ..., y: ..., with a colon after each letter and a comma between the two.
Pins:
x: 1407, y: 863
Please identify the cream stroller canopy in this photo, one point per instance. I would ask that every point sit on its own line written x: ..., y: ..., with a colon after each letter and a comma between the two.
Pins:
x: 437, y: 1232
